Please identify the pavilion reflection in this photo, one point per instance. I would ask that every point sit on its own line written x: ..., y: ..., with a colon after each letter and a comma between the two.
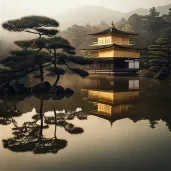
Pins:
x: 113, y: 98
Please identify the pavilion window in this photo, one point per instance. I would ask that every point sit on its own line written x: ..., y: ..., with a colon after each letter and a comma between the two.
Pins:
x: 137, y: 65
x: 133, y: 84
x: 131, y: 65
x: 108, y: 40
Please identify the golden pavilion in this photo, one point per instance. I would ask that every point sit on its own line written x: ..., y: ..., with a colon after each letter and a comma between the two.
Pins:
x: 114, y: 52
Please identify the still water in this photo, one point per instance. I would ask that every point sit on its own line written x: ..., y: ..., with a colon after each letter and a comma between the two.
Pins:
x: 121, y: 124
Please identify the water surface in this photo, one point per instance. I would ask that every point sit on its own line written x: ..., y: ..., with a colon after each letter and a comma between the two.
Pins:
x: 118, y: 124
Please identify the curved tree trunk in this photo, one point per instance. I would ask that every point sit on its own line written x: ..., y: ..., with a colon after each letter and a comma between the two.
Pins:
x: 57, y: 79
x: 41, y: 118
x: 41, y: 73
x: 55, y: 122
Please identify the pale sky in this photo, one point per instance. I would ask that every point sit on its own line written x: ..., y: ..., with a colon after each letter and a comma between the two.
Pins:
x: 10, y: 9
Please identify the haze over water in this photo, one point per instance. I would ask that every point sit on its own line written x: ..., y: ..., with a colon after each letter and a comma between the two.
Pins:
x: 124, y: 124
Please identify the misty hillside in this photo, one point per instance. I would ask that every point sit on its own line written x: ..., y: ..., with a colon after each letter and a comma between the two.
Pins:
x: 95, y: 14
x: 80, y: 16
x: 143, y: 11
x: 88, y: 14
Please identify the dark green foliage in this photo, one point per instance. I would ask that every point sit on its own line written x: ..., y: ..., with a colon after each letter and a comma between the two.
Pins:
x: 80, y: 72
x: 23, y: 44
x: 53, y: 71
x: 159, y: 57
x: 41, y: 87
x: 154, y: 13
x: 68, y: 92
x: 30, y: 22
x: 39, y: 53
x: 79, y: 60
x: 47, y: 32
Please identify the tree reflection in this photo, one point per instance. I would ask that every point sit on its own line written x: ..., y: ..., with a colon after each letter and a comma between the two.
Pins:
x: 29, y: 137
x: 119, y: 101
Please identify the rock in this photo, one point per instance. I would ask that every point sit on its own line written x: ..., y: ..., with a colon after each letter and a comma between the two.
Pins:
x: 9, y: 90
x: 163, y: 74
x: 81, y: 116
x: 43, y: 96
x: 146, y: 73
x: 73, y: 130
x: 49, y: 120
x: 20, y: 88
x: 68, y: 92
x: 41, y: 87
x: 57, y: 90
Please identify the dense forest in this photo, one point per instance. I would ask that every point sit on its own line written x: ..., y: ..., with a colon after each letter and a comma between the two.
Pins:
x: 148, y: 27
x: 153, y: 29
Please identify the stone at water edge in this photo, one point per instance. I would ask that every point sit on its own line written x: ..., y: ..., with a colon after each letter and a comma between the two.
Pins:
x: 20, y: 88
x: 41, y: 87
x: 59, y: 90
x: 9, y: 90
x: 68, y: 92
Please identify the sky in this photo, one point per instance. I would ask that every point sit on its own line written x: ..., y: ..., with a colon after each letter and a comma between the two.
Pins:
x: 16, y: 8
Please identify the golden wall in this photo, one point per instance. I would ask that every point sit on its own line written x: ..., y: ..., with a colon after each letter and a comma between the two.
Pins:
x: 119, y: 53
x: 106, y: 53
x: 110, y: 110
x: 126, y: 53
x: 117, y: 39
x: 113, y: 97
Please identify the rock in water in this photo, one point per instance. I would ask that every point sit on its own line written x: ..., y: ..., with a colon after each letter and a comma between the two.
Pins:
x: 57, y: 90
x: 41, y: 87
x: 9, y: 90
x: 163, y: 74
x: 68, y: 92
x: 20, y: 88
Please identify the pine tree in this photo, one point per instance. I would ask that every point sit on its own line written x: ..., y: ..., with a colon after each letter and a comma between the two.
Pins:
x: 160, y: 53
x: 39, y: 53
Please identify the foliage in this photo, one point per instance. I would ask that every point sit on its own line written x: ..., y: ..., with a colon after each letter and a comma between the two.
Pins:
x: 37, y: 54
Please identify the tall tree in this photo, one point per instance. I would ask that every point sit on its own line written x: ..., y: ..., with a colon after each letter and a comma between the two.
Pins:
x: 39, y: 53
x: 153, y: 12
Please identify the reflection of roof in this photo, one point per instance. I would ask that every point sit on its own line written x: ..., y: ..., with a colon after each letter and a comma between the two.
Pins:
x: 113, y: 30
x: 112, y: 98
x: 99, y: 47
x: 110, y: 118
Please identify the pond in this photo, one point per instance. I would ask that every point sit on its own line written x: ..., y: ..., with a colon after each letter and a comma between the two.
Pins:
x: 108, y: 124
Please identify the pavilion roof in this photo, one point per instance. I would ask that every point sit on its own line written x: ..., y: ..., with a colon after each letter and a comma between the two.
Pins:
x: 100, y: 47
x: 112, y: 30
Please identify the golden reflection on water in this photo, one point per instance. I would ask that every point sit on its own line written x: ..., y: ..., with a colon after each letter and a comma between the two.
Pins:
x: 117, y: 129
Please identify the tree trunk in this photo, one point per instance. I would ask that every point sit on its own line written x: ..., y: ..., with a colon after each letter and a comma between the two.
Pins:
x: 55, y: 121
x: 41, y: 118
x: 57, y: 79
x: 41, y: 73
x: 55, y: 58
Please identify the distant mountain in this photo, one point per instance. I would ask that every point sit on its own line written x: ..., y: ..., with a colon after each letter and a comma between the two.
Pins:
x: 164, y: 9
x: 143, y: 11
x: 92, y: 15
x: 95, y: 14
x: 139, y: 11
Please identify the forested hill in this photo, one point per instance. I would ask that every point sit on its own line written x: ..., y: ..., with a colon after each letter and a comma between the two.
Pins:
x: 95, y: 14
x: 75, y: 24
x: 148, y: 27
